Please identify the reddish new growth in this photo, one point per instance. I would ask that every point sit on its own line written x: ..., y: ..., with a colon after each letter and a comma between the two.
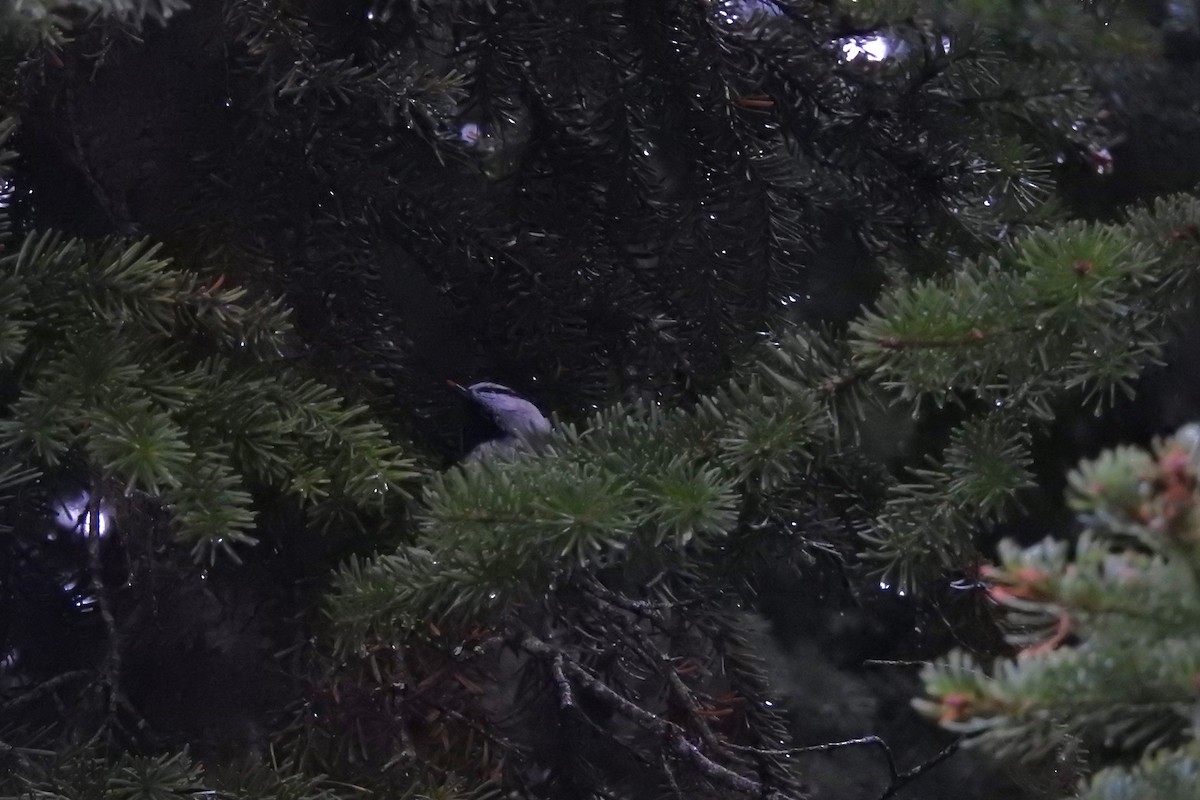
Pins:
x: 754, y: 103
x: 1187, y: 232
x: 1023, y: 583
x: 1028, y: 584
x: 1083, y: 267
x: 726, y: 712
x: 1174, y: 490
x: 956, y: 707
x: 1062, y: 629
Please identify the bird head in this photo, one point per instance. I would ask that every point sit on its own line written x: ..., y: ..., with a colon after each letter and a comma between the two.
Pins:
x: 512, y: 413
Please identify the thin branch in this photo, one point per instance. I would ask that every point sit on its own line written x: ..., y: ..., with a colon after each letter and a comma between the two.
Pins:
x: 566, y: 697
x: 904, y: 778
x: 660, y: 662
x: 670, y: 773
x: 642, y: 608
x: 499, y: 741
x: 671, y: 733
x: 51, y: 685
x: 684, y: 695
x: 897, y: 780
x: 111, y: 668
x: 972, y: 338
x: 115, y: 700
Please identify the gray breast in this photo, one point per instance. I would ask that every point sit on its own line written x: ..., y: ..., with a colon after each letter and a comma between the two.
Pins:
x: 518, y: 420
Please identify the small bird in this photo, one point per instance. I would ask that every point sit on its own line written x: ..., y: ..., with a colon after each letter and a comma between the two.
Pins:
x: 516, y: 420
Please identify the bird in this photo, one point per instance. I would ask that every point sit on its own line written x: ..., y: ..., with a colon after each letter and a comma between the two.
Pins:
x: 515, y: 420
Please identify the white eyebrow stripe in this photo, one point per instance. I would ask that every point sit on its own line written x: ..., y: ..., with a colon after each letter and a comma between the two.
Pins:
x: 496, y: 389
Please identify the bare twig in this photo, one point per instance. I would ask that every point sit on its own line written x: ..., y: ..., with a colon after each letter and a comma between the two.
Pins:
x: 55, y: 683
x: 566, y: 697
x: 670, y: 773
x: 669, y: 731
x: 115, y: 700
x: 661, y: 663
x: 642, y: 608
x: 110, y: 669
x: 897, y: 780
x: 653, y: 656
x: 892, y: 662
x: 491, y: 736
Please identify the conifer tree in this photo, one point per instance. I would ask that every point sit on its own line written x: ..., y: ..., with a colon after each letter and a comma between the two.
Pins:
x: 722, y: 238
x: 145, y: 404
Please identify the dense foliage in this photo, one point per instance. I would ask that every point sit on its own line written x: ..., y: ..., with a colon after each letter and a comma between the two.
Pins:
x: 1106, y: 631
x: 806, y: 286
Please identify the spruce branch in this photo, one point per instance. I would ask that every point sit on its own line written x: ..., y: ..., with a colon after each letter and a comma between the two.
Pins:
x: 1170, y: 775
x: 170, y: 775
x: 636, y: 480
x: 173, y: 385
x: 597, y: 496
x: 1076, y: 308
x: 53, y: 23
x: 594, y: 495
x: 1121, y: 669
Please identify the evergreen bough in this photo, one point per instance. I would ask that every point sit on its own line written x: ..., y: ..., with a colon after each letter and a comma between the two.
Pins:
x: 683, y: 497
x: 1061, y: 314
x: 171, y: 387
x: 1106, y: 631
